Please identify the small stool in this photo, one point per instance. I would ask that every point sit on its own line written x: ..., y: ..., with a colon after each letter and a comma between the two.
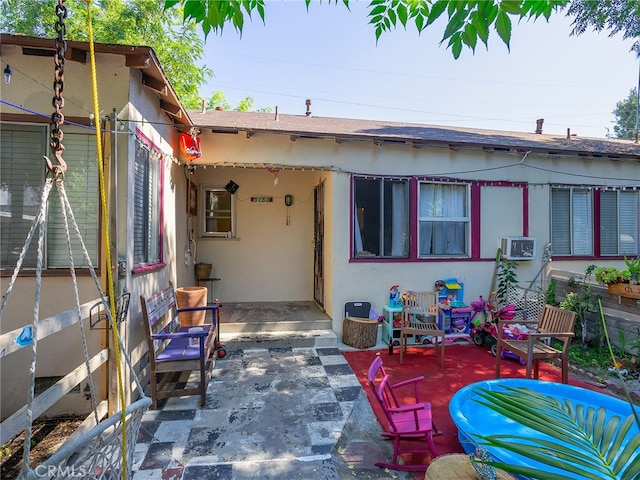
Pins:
x: 360, y: 332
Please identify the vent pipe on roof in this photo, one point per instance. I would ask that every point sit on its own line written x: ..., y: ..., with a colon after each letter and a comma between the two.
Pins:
x: 308, y: 103
x: 539, y: 123
x: 277, y: 116
x: 204, y: 105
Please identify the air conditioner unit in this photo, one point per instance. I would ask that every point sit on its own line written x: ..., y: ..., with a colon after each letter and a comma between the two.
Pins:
x: 518, y: 248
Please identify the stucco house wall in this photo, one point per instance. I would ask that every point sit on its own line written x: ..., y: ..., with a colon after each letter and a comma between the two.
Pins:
x: 121, y: 91
x: 513, y: 199
x: 268, y: 259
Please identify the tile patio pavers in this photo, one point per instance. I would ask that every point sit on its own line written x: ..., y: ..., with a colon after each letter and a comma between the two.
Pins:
x: 274, y: 414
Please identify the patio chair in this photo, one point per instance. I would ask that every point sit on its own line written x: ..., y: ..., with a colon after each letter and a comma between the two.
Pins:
x: 419, y: 317
x: 405, y: 423
x: 554, y: 323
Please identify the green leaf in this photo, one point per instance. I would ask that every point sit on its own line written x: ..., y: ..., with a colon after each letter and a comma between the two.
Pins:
x: 631, y: 472
x: 392, y: 17
x: 489, y: 11
x: 456, y: 44
x: 469, y: 36
x: 402, y: 14
x: 376, y: 20
x: 377, y: 10
x: 455, y: 23
x: 547, y: 454
x: 194, y: 10
x: 482, y: 29
x: 436, y: 10
x: 503, y: 27
x: 420, y: 23
x: 511, y: 6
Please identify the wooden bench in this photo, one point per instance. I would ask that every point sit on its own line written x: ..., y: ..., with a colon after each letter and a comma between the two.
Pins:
x: 174, y: 349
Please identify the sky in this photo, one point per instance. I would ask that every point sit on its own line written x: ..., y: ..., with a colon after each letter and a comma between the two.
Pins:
x: 330, y: 56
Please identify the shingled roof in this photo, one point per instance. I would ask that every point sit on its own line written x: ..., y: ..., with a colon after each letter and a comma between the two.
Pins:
x: 415, y: 134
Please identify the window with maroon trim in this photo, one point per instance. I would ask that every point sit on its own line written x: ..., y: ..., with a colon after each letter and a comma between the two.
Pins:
x: 444, y: 221
x: 619, y: 222
x: 381, y: 217
x: 147, y: 202
x: 580, y: 215
x: 572, y: 221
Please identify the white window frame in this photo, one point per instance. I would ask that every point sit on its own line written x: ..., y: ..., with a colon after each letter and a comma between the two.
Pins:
x: 208, y: 215
x: 456, y: 238
x: 22, y: 147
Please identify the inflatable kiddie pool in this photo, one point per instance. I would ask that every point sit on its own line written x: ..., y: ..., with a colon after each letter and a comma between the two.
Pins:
x: 473, y: 419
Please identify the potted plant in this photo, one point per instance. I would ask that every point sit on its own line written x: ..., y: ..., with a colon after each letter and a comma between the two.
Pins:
x: 621, y: 282
x: 610, y: 275
x: 633, y: 265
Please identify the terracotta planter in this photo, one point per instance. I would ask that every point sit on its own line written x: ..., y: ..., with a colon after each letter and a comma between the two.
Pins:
x: 191, y: 297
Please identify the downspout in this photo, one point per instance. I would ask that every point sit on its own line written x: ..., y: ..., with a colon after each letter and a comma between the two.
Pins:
x: 112, y: 388
x: 114, y: 168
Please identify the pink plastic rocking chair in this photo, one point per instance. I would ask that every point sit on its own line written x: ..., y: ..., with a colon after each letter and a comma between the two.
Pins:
x: 405, y: 423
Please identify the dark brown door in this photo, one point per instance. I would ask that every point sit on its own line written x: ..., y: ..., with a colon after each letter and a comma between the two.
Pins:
x: 318, y: 241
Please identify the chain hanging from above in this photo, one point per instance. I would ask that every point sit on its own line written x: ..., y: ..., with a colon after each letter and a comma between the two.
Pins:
x: 57, y: 117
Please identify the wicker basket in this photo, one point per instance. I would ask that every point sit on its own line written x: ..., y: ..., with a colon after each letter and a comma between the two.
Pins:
x: 203, y: 270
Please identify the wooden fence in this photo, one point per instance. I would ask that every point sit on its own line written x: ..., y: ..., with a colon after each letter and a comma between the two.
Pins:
x: 13, y: 341
x: 622, y: 314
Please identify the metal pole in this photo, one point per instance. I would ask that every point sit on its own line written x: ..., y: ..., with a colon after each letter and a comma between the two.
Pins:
x: 638, y: 97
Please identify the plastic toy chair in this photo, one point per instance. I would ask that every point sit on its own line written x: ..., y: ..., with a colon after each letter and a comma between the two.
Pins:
x: 405, y: 423
x: 375, y: 375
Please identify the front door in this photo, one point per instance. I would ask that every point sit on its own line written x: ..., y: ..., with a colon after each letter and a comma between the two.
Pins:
x: 318, y: 240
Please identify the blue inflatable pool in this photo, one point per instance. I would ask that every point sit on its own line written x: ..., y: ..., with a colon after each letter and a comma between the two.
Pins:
x: 473, y: 419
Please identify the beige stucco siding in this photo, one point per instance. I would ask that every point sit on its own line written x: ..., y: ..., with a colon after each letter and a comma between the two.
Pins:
x: 30, y: 88
x: 267, y: 260
x: 509, y: 184
x: 119, y: 90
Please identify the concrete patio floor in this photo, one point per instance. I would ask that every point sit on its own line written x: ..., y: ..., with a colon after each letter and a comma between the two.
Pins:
x: 271, y: 414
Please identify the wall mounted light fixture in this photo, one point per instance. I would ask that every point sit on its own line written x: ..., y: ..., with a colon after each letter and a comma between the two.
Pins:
x: 231, y: 187
x: 7, y: 74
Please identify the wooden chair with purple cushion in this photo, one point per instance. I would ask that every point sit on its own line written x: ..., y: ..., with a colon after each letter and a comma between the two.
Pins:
x: 406, y: 422
x: 174, y: 349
